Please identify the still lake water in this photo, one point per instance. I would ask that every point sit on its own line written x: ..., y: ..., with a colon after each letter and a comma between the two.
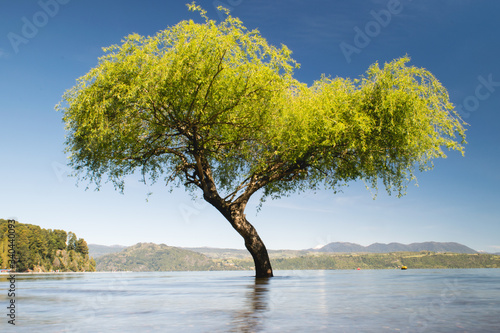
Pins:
x: 451, y: 300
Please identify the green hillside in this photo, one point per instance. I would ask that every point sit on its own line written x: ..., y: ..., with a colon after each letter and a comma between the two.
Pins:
x: 152, y: 257
x: 217, y: 253
x: 413, y: 260
x: 44, y: 250
x: 147, y: 257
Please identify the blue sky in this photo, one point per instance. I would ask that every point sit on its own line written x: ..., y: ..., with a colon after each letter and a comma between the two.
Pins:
x: 46, y: 45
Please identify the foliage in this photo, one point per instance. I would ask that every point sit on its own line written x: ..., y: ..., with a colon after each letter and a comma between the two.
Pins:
x: 215, y: 107
x: 44, y: 250
x: 72, y: 241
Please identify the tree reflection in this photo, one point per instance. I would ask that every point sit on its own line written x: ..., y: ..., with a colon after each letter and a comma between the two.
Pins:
x: 255, y: 310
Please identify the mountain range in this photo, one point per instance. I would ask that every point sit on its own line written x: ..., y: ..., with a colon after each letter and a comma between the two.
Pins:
x: 342, y: 247
x: 97, y: 251
x: 100, y: 250
x: 150, y: 257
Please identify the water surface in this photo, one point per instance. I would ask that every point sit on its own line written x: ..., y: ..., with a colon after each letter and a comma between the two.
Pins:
x: 294, y: 301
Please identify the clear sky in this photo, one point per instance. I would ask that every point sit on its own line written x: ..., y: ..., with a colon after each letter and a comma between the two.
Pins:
x: 46, y: 45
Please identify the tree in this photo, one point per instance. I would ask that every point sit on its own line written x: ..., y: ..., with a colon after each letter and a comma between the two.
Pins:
x: 56, y: 263
x: 24, y: 257
x: 58, y: 239
x: 215, y: 108
x: 72, y: 242
x: 82, y: 247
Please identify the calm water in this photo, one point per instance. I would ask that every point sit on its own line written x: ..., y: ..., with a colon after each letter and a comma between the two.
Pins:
x: 293, y: 301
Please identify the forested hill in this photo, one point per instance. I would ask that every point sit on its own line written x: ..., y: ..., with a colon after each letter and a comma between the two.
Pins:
x: 144, y: 257
x: 44, y: 250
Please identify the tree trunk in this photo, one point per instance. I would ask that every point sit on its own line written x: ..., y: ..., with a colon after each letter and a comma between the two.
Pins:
x: 234, y: 213
x: 253, y: 243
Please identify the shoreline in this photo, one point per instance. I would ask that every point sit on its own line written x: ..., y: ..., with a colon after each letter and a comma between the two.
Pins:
x: 241, y: 270
x: 56, y: 273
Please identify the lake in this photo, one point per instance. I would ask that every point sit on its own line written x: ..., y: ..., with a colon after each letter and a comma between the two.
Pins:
x: 448, y: 300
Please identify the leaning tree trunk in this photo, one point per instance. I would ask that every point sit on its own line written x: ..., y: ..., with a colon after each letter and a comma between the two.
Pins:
x: 255, y: 246
x: 234, y: 213
x: 253, y: 242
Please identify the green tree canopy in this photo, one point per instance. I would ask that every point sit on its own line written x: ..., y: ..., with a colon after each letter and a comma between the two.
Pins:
x: 82, y: 247
x: 214, y: 107
x: 72, y: 242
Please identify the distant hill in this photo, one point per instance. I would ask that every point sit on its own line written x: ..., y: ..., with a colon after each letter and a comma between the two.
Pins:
x: 218, y: 253
x: 149, y: 257
x: 413, y: 260
x: 450, y: 247
x: 96, y: 251
x: 342, y: 247
x: 144, y: 257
